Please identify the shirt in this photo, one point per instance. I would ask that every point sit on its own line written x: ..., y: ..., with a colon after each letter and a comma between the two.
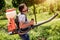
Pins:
x: 22, y: 18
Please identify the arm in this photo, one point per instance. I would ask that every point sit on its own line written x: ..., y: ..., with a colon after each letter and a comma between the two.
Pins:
x: 22, y: 25
x: 22, y: 22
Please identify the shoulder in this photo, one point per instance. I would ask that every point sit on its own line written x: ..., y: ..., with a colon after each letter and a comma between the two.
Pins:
x: 21, y: 15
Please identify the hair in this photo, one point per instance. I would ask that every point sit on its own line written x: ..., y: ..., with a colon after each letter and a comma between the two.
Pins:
x: 21, y: 7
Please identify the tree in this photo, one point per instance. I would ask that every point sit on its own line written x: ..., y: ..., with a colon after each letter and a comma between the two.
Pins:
x: 16, y: 3
x: 2, y: 4
x: 29, y: 3
x: 51, y: 8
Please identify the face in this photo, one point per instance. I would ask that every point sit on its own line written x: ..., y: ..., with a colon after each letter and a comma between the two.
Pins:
x: 25, y: 10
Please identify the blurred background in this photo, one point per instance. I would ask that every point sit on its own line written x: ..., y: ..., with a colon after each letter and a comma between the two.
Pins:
x: 39, y: 10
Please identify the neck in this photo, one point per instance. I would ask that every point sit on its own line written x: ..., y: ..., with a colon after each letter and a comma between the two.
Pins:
x: 23, y: 13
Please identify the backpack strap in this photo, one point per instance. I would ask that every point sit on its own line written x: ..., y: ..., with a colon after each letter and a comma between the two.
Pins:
x: 17, y: 21
x: 25, y: 18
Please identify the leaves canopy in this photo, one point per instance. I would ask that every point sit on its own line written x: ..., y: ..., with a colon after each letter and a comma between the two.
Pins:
x: 2, y: 4
x: 15, y: 3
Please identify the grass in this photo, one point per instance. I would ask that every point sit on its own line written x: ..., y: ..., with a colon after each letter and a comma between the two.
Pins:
x: 3, y: 23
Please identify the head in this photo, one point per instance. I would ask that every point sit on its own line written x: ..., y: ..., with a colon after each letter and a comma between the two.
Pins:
x: 23, y: 8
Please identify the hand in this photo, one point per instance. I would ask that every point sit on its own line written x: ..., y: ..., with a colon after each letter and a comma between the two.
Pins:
x: 32, y: 19
x: 32, y: 22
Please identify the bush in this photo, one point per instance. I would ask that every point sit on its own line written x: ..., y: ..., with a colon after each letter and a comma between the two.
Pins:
x: 2, y: 4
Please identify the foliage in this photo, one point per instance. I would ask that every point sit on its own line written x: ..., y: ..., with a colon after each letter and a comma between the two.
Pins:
x: 2, y: 4
x: 28, y: 2
x: 16, y: 3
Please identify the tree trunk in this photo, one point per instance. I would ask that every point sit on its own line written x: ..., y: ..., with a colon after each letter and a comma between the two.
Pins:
x: 34, y: 11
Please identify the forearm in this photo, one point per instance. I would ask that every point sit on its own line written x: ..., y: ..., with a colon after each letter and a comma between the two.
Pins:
x: 25, y: 25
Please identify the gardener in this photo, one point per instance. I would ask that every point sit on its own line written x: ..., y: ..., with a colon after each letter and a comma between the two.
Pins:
x: 23, y: 22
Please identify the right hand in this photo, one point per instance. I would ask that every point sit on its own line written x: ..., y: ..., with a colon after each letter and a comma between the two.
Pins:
x: 32, y: 22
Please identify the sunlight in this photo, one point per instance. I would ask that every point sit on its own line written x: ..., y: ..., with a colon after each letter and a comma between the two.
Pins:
x: 51, y: 1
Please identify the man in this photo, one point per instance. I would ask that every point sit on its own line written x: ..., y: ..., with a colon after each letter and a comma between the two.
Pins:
x: 23, y: 22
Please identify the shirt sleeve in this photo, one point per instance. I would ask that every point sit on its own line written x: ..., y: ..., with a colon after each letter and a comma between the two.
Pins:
x: 21, y: 18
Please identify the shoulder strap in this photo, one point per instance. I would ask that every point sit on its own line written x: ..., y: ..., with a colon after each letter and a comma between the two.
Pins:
x: 25, y: 18
x: 17, y: 21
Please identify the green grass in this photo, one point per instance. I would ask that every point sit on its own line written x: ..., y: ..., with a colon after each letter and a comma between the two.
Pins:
x: 3, y: 23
